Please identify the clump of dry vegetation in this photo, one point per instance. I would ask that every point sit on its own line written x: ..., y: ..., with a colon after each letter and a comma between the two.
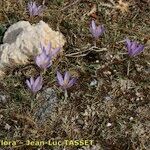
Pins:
x: 106, y: 104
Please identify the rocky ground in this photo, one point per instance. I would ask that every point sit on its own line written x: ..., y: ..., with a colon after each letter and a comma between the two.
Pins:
x: 107, y: 104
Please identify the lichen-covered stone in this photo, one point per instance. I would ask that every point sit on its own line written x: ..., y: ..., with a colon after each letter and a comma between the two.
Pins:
x: 48, y: 100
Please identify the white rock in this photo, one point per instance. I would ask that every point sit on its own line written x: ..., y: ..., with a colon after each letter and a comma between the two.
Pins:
x: 93, y: 83
x: 131, y: 118
x: 7, y: 126
x: 3, y: 98
x: 22, y: 41
x: 108, y: 124
x: 108, y: 98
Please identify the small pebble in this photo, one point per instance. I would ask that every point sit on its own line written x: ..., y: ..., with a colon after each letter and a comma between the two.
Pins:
x: 131, y: 118
x: 3, y: 98
x: 108, y: 124
x: 93, y: 83
x: 7, y: 126
x: 107, y: 98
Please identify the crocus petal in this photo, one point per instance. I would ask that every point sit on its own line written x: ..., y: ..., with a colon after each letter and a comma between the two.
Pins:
x: 66, y: 77
x: 33, y: 5
x: 39, y: 88
x: 37, y: 84
x: 96, y: 31
x: 128, y: 44
x: 33, y: 9
x: 60, y: 78
x: 48, y: 58
x: 66, y: 82
x: 43, y: 60
x: 41, y: 46
x: 138, y: 50
x: 39, y: 10
x: 134, y: 45
x: 93, y: 25
x: 99, y: 29
x: 91, y: 30
x: 130, y: 52
x: 37, y: 60
x: 48, y: 48
x: 49, y: 64
x: 55, y: 51
x: 31, y: 81
x: 29, y: 6
x: 28, y: 84
x: 95, y: 34
x: 71, y: 82
x: 40, y: 84
x: 46, y: 63
x: 43, y: 55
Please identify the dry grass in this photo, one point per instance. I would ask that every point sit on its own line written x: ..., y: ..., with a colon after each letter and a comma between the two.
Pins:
x: 117, y: 99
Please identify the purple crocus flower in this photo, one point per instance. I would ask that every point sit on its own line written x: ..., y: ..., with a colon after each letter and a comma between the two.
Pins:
x: 49, y: 50
x: 43, y: 60
x: 134, y: 48
x: 96, y: 30
x: 65, y: 82
x: 36, y: 85
x: 33, y: 9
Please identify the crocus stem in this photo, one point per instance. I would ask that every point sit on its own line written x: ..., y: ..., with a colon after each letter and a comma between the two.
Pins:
x: 44, y: 71
x: 31, y: 17
x: 95, y: 42
x: 128, y: 69
x: 32, y: 101
x: 66, y: 94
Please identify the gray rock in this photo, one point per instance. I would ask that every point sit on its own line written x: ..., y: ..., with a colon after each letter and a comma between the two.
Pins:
x: 3, y: 98
x: 93, y: 83
x: 46, y: 106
